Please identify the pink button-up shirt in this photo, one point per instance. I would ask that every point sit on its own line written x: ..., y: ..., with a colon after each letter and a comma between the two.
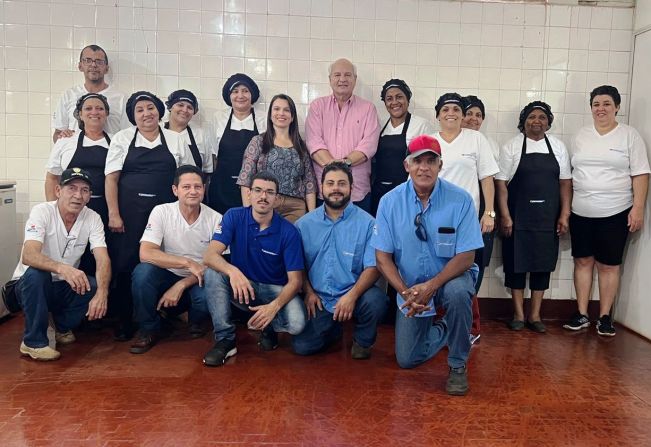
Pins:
x: 353, y: 128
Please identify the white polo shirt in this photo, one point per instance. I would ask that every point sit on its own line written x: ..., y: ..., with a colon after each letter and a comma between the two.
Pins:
x: 220, y: 120
x: 63, y: 116
x: 466, y: 160
x: 46, y: 226
x: 120, y: 147
x: 602, y: 169
x: 417, y: 126
x: 168, y: 229
x: 64, y: 149
x: 205, y: 143
x: 511, y: 154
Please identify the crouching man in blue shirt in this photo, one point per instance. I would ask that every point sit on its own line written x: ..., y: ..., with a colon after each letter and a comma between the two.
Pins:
x: 264, y: 276
x: 341, y: 269
x: 429, y: 226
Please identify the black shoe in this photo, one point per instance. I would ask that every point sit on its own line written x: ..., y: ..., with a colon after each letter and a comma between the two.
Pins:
x: 144, y: 342
x: 578, y: 322
x: 196, y: 330
x: 457, y: 384
x: 268, y: 340
x: 605, y: 326
x: 123, y: 332
x: 219, y: 353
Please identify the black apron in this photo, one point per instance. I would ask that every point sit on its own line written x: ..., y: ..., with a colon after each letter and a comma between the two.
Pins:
x: 388, y: 170
x: 224, y: 192
x: 534, y: 205
x: 145, y: 181
x: 93, y: 160
x: 194, y: 149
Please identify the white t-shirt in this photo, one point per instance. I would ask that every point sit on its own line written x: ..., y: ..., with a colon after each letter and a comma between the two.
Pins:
x: 120, y: 147
x: 466, y: 160
x: 45, y: 225
x: 168, y: 229
x: 63, y: 117
x: 64, y: 149
x: 205, y: 143
x: 221, y: 119
x: 417, y: 126
x: 495, y: 148
x: 512, y: 151
x: 602, y: 169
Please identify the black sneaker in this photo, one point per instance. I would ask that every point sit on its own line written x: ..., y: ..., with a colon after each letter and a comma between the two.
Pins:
x: 268, y: 339
x: 219, y: 353
x: 457, y: 384
x: 578, y: 322
x: 605, y: 326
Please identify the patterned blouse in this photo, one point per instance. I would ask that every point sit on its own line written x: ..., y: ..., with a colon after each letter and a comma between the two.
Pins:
x: 296, y: 179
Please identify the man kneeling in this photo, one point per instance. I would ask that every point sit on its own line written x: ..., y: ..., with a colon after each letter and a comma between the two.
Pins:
x: 170, y: 274
x: 264, y: 275
x: 341, y: 269
x: 56, y: 235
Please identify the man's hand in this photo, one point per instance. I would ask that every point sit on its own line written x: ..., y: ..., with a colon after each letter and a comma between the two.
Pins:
x: 344, y: 307
x: 197, y: 270
x: 77, y: 279
x: 63, y: 133
x: 171, y: 296
x: 97, y: 306
x: 264, y: 315
x: 312, y: 301
x: 417, y: 296
x: 242, y: 289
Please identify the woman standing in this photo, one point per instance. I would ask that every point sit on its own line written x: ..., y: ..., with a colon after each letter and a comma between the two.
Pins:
x: 234, y: 129
x: 86, y: 149
x: 182, y: 106
x: 534, y: 190
x: 399, y: 130
x: 611, y: 180
x: 139, y: 172
x: 281, y: 151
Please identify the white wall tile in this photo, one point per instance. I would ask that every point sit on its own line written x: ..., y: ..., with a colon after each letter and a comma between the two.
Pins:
x: 299, y: 27
x: 601, y: 18
x: 493, y: 13
x: 278, y: 7
x: 278, y: 25
x: 450, y: 12
x: 472, y: 12
x: 407, y: 10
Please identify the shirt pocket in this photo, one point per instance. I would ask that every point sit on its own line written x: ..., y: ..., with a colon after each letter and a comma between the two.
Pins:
x: 354, y: 260
x: 445, y: 244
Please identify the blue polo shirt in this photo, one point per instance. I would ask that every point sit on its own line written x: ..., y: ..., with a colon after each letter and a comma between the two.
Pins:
x: 262, y: 256
x: 336, y: 252
x: 395, y: 232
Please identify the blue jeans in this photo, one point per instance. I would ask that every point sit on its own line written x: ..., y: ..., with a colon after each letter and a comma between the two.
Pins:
x: 321, y: 331
x: 40, y: 295
x: 418, y: 340
x: 149, y: 283
x: 219, y: 297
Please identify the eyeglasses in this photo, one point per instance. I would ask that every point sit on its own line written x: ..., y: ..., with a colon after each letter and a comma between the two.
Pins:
x: 89, y: 61
x: 268, y: 192
x: 421, y: 232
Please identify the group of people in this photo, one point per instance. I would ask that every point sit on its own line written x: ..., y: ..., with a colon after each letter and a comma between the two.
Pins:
x: 297, y: 233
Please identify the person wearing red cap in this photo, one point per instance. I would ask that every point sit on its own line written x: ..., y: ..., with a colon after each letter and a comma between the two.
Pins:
x: 425, y: 238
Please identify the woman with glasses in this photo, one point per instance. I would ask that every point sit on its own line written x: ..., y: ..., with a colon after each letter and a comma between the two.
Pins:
x: 534, y: 190
x: 234, y: 129
x: 140, y: 168
x: 281, y: 151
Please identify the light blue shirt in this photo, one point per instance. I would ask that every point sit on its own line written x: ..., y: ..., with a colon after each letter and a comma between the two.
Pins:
x: 336, y: 252
x: 395, y: 231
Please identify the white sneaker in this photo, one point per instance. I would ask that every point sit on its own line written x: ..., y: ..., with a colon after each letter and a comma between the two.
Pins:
x: 64, y: 338
x: 44, y: 354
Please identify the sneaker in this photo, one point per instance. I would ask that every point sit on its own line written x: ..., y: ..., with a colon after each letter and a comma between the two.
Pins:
x: 64, y: 338
x: 578, y: 322
x: 43, y: 354
x: 144, y: 342
x: 605, y: 326
x: 358, y: 352
x: 457, y: 384
x: 473, y: 338
x: 219, y: 353
x: 268, y: 339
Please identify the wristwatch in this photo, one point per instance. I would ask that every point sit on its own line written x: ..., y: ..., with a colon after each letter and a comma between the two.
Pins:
x: 490, y: 214
x: 348, y: 162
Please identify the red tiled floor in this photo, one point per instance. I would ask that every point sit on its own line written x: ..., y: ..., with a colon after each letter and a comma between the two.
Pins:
x: 558, y: 389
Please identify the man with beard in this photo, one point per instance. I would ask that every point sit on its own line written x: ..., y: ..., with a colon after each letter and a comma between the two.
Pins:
x: 264, y: 275
x: 341, y: 269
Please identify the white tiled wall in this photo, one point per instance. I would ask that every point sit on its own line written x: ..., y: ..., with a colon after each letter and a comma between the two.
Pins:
x: 507, y: 54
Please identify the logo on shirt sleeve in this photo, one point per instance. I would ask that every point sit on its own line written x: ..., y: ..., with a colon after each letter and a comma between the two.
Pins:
x: 31, y: 228
x: 218, y: 229
x: 375, y: 230
x: 149, y: 227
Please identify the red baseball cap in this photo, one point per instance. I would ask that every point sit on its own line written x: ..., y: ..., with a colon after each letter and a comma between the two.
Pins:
x: 422, y: 144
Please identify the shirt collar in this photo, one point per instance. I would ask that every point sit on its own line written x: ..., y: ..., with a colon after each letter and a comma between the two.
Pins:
x: 411, y: 192
x: 351, y: 100
x: 275, y: 221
